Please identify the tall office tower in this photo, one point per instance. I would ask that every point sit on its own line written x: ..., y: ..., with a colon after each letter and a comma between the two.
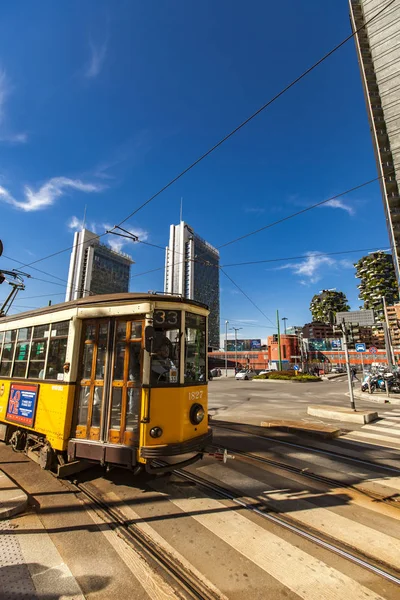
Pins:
x: 192, y: 270
x: 96, y: 269
x: 378, y: 49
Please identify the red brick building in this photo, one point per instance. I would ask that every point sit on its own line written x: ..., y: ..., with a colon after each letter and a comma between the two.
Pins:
x: 290, y: 349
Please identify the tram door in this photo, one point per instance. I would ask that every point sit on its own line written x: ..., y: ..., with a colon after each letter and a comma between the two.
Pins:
x: 109, y: 381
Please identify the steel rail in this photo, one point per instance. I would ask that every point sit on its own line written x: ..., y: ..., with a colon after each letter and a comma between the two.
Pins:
x: 311, y: 449
x: 310, y: 475
x: 135, y: 537
x: 228, y: 495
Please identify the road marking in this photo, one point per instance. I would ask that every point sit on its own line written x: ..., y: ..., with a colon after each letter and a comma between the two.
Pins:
x: 300, y: 572
x: 373, y: 437
x: 161, y: 542
x: 383, y: 429
x: 152, y: 583
x: 379, y: 545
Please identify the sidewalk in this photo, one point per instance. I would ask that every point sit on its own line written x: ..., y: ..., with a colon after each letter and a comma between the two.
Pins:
x: 285, y: 408
x: 30, y: 564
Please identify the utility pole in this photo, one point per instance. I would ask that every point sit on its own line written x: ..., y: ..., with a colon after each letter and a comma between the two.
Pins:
x: 279, y: 342
x: 236, y: 329
x: 388, y: 338
x: 226, y: 348
x: 284, y: 319
x: 346, y: 352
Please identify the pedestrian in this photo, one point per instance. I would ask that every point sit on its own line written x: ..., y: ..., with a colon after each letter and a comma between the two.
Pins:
x: 354, y: 374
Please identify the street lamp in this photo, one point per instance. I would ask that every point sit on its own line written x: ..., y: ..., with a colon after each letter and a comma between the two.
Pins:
x: 236, y: 329
x: 284, y: 319
x: 226, y: 348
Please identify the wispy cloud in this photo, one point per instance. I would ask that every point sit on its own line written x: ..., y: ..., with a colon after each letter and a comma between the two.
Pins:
x: 117, y: 243
x: 98, y: 53
x: 75, y: 224
x: 312, y: 268
x: 338, y: 203
x: 5, y: 91
x: 47, y: 194
x: 254, y: 209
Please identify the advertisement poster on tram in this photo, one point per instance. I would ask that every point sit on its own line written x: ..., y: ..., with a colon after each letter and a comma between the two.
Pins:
x: 22, y: 403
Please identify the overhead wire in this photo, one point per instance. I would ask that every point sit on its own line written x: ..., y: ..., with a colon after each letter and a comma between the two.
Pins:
x: 235, y: 130
x: 255, y: 114
x: 301, y: 256
x: 246, y: 296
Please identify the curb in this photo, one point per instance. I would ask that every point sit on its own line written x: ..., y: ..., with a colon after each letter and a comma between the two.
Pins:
x: 13, y: 500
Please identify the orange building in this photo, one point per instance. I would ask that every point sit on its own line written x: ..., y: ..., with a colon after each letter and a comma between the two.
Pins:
x: 290, y: 349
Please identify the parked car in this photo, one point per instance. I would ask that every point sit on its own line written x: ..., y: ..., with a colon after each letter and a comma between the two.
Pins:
x: 265, y: 372
x: 337, y: 370
x: 245, y: 375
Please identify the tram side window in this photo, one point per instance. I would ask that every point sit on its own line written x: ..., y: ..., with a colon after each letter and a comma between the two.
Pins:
x: 22, y: 352
x: 57, y: 350
x: 166, y: 347
x: 195, y: 350
x: 38, y: 351
x: 8, y: 353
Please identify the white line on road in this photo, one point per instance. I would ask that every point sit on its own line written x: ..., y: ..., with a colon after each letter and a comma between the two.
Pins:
x: 305, y: 575
x: 378, y: 545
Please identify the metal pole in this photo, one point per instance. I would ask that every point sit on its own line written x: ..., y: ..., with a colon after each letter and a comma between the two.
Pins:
x: 226, y: 348
x: 388, y: 338
x: 346, y: 352
x: 236, y: 350
x: 362, y: 364
x: 284, y: 319
x: 279, y: 343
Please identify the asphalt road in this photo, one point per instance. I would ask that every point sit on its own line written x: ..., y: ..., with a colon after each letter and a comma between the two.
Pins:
x: 254, y: 401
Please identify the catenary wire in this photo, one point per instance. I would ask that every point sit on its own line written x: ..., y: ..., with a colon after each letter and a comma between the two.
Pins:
x: 300, y: 212
x: 246, y: 295
x: 235, y: 130
x: 256, y: 113
x: 313, y: 254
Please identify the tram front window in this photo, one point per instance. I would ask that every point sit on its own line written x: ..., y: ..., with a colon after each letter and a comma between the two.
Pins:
x: 195, y: 349
x: 166, y: 347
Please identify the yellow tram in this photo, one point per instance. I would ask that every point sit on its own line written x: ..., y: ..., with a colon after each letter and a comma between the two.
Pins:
x: 119, y: 379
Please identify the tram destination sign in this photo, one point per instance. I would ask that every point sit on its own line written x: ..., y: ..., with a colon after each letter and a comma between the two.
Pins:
x: 21, y: 406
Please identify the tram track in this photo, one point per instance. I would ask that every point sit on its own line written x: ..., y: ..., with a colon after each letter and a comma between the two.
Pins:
x: 189, y: 584
x: 307, y: 474
x: 256, y: 506
x: 252, y: 429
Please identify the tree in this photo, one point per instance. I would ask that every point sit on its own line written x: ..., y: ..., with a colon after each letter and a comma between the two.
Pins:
x: 326, y: 304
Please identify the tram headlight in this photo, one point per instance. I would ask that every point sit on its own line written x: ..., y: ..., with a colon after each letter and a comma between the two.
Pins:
x: 156, y: 432
x: 197, y: 414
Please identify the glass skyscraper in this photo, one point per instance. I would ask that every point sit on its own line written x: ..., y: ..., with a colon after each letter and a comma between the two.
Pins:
x: 192, y: 270
x: 95, y: 268
x: 378, y: 49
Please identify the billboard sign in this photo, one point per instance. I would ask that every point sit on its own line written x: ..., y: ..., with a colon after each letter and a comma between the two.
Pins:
x: 21, y: 406
x: 358, y: 317
x: 242, y: 345
x: 336, y: 344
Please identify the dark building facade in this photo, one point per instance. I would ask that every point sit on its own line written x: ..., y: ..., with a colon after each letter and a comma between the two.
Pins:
x: 192, y: 270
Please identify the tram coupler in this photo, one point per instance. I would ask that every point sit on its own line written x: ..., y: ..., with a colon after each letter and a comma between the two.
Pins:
x: 221, y: 454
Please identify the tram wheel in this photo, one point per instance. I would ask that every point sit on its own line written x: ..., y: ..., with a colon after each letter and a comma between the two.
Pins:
x: 45, y: 456
x: 17, y: 441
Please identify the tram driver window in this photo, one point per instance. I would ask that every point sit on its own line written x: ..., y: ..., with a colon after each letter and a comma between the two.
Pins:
x: 195, y: 349
x: 166, y: 347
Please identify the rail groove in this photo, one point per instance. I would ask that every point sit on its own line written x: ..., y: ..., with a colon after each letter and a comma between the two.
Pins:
x: 189, y: 584
x: 286, y: 524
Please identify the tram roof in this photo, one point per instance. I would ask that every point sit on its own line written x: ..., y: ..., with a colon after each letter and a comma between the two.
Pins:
x: 104, y: 299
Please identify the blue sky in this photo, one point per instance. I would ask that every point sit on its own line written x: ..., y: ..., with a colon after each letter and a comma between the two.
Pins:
x: 104, y: 102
